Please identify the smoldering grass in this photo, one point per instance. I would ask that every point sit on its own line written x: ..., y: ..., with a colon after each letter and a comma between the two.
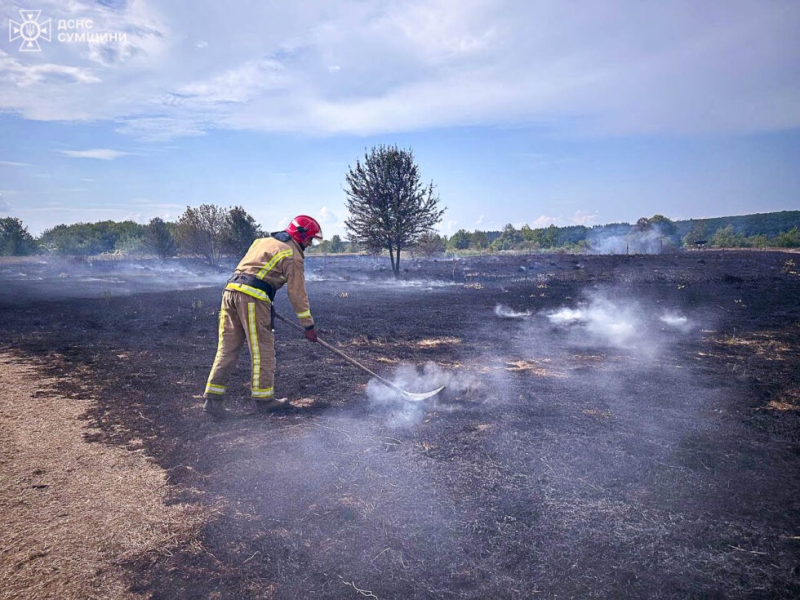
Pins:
x: 505, y: 312
x: 566, y: 315
x: 403, y: 412
x: 603, y: 319
x: 676, y: 320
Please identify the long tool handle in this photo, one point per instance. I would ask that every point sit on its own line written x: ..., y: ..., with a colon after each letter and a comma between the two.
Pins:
x: 338, y: 352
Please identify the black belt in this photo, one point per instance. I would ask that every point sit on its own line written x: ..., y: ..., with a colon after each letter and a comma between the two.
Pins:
x: 253, y: 282
x: 259, y: 284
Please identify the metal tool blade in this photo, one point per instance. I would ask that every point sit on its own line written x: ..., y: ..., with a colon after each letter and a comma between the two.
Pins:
x: 414, y: 397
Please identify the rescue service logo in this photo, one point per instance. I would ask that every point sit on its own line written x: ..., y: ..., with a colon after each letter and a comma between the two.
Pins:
x: 30, y: 30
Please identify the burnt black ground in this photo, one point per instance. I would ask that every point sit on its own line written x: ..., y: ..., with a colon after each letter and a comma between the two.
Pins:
x: 560, y: 463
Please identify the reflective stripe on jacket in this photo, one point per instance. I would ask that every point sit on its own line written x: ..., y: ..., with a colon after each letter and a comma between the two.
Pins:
x: 277, y: 262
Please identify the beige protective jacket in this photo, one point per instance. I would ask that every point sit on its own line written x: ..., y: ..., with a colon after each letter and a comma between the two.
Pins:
x: 277, y: 262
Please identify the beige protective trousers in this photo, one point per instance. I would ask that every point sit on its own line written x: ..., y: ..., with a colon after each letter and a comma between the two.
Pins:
x: 241, y: 318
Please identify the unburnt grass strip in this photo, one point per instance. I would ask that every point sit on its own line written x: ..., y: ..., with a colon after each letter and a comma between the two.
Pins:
x: 72, y: 512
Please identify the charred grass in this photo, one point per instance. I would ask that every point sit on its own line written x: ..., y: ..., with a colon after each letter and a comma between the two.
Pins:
x: 556, y: 466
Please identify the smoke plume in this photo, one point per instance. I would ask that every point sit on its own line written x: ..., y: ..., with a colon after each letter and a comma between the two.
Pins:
x: 505, y: 312
x: 603, y: 321
x: 403, y: 412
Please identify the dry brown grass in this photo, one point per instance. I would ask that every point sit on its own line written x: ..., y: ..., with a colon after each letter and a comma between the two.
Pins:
x: 765, y: 344
x: 426, y: 343
x: 303, y: 402
x: 388, y: 361
x: 782, y: 406
x: 769, y: 357
x: 534, y: 367
x: 787, y: 400
x: 436, y: 342
x: 73, y: 512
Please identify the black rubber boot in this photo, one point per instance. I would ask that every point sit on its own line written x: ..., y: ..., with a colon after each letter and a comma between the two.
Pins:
x: 215, y: 408
x: 272, y: 404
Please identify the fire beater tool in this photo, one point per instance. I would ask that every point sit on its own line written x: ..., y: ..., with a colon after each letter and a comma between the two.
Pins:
x: 407, y: 395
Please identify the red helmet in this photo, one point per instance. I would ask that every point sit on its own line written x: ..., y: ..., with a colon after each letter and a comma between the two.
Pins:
x: 303, y: 229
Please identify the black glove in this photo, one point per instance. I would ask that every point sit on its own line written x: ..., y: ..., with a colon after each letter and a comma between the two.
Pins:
x: 311, y: 334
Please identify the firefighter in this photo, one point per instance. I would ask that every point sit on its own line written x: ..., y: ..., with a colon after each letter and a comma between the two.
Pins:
x: 247, y: 312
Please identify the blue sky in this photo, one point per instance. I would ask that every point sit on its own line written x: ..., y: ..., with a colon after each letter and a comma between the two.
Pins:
x: 532, y: 112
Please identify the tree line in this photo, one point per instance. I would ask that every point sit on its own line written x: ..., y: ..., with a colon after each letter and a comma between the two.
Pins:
x: 207, y: 231
x: 777, y: 230
x: 211, y: 232
x: 391, y: 210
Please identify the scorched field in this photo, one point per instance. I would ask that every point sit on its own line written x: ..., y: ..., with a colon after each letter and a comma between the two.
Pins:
x: 611, y: 427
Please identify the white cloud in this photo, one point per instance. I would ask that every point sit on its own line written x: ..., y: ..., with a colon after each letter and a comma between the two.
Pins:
x: 159, y: 129
x: 616, y: 67
x: 543, y: 221
x: 326, y: 216
x: 16, y: 74
x: 4, y: 206
x: 585, y: 218
x: 11, y: 163
x: 580, y: 217
x: 97, y: 153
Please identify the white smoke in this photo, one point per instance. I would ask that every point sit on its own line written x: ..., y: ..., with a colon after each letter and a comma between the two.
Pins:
x: 615, y: 244
x: 417, y: 284
x: 650, y: 241
x: 505, y: 312
x: 567, y: 315
x: 676, y: 320
x: 403, y: 412
x: 603, y: 320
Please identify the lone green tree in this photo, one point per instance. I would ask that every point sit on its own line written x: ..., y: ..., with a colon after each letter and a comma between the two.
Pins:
x: 389, y: 207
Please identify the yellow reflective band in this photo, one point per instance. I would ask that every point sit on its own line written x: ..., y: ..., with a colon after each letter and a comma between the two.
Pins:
x: 254, y: 351
x: 263, y: 393
x: 250, y: 291
x: 215, y: 389
x: 274, y: 261
x: 306, y: 314
x: 218, y: 357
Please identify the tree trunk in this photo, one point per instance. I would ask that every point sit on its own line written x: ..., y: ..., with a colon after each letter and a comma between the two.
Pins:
x: 397, y: 264
x: 391, y: 257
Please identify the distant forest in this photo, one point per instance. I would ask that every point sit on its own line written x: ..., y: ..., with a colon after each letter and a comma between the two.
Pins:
x: 211, y: 232
x: 647, y: 235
